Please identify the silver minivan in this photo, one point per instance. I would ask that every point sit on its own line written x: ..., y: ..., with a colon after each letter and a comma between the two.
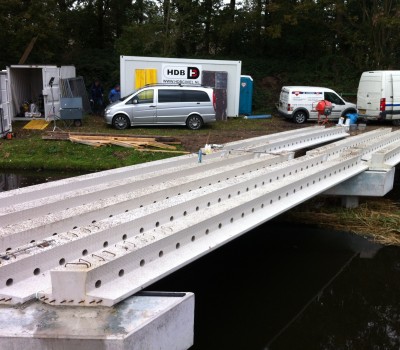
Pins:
x: 163, y: 104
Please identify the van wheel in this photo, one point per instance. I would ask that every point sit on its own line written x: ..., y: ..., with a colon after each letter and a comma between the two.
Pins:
x: 194, y: 122
x: 121, y: 122
x: 300, y: 117
x: 396, y: 122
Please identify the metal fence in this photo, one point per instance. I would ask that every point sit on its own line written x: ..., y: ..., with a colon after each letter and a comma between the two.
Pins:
x: 75, y: 87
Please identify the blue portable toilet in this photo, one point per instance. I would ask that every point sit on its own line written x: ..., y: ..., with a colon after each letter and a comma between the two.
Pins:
x: 246, y: 94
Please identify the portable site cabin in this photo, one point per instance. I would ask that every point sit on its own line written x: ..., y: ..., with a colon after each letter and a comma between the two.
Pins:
x: 33, y: 91
x: 222, y: 75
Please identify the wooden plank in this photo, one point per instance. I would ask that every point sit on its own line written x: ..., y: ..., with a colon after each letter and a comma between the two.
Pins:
x: 124, y: 144
x: 160, y: 145
x: 89, y: 143
x: 111, y: 138
x: 161, y: 151
x: 51, y: 135
x: 157, y: 137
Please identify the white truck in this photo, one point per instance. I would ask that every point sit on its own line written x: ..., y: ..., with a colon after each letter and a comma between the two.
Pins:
x: 378, y: 96
x: 298, y: 103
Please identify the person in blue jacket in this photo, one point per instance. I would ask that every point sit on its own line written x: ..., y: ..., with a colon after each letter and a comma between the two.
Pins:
x: 114, y: 94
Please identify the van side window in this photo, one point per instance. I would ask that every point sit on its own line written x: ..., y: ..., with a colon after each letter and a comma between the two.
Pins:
x: 169, y: 95
x: 146, y: 96
x: 195, y: 96
x: 331, y: 97
x: 182, y: 96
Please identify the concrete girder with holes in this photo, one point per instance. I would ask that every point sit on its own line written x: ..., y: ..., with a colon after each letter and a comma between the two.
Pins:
x: 154, y: 194
x: 110, y: 275
x: 87, y: 181
x: 66, y: 245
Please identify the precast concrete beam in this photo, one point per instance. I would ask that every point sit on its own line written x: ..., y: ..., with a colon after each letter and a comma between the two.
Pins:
x: 109, y: 276
x: 75, y: 194
x: 297, y: 142
x: 40, y: 226
x: 265, y: 139
x: 384, y: 158
x: 125, y: 233
x: 336, y: 149
x: 60, y: 201
x: 22, y: 267
x: 120, y: 174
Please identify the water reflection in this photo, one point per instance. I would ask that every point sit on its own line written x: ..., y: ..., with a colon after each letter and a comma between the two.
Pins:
x: 360, y: 310
x: 11, y: 181
x: 285, y: 287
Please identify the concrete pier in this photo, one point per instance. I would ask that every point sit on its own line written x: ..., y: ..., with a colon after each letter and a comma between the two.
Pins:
x: 162, y: 321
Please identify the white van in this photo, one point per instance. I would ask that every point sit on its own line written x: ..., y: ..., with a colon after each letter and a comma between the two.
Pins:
x: 298, y: 103
x: 378, y: 96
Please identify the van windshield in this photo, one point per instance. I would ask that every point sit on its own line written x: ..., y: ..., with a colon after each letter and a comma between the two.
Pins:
x: 331, y: 97
x: 127, y: 96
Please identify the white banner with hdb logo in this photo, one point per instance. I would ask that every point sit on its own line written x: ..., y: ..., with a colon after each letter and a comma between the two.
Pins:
x: 181, y: 74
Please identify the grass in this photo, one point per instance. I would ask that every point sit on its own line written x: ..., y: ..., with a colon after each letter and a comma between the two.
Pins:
x: 28, y: 151
x: 35, y: 153
x: 377, y: 219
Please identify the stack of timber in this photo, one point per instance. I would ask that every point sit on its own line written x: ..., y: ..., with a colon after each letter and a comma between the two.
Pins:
x: 139, y: 143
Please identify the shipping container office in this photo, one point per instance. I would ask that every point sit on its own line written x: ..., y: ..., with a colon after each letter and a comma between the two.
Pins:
x: 137, y: 71
x: 27, y: 84
x: 5, y: 116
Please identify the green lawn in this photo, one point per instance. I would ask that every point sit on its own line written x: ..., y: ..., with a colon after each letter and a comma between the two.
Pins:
x: 28, y: 151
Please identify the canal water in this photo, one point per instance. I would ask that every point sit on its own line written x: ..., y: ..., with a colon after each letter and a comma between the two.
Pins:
x: 287, y: 286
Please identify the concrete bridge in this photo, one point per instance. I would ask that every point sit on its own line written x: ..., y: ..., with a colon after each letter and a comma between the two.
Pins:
x: 97, y: 239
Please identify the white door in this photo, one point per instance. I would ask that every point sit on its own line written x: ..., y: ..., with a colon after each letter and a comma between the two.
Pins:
x: 51, y: 92
x: 395, y: 98
x: 5, y: 117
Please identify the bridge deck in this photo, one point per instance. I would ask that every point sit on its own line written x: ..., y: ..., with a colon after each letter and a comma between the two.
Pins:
x: 99, y: 238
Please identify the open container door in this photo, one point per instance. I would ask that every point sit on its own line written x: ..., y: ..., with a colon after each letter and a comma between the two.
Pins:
x: 51, y: 92
x: 5, y: 115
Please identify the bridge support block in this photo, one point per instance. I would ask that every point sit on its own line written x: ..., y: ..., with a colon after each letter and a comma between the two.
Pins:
x: 146, y: 321
x: 350, y: 201
x: 370, y: 183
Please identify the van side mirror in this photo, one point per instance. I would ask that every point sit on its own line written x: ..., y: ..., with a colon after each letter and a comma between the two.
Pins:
x: 135, y: 101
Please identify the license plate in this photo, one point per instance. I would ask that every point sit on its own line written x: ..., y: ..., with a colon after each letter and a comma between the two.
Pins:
x: 362, y: 111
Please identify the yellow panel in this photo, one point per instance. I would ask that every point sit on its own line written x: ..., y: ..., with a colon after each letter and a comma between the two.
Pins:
x: 151, y: 76
x: 145, y: 76
x: 140, y: 78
